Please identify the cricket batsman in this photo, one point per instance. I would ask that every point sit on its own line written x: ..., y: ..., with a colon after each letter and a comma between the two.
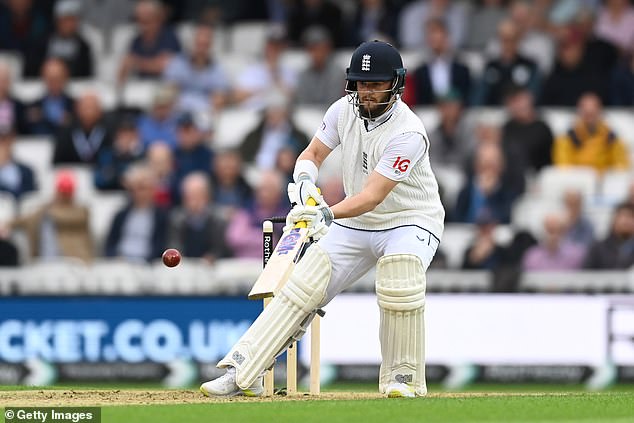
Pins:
x: 391, y: 218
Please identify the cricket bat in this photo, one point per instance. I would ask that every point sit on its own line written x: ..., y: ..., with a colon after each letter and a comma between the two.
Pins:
x: 282, y: 262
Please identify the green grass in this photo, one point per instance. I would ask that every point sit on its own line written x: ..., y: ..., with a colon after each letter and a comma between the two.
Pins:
x: 613, y: 407
x: 542, y: 403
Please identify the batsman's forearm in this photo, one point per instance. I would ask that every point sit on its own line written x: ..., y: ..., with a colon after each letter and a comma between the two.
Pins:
x: 355, y: 205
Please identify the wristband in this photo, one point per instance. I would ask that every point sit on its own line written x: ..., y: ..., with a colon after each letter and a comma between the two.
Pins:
x: 305, y: 169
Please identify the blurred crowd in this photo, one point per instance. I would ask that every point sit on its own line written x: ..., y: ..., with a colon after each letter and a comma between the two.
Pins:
x: 186, y: 192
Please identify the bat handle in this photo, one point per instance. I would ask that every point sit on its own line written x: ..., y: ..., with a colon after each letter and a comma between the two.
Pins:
x: 309, y: 202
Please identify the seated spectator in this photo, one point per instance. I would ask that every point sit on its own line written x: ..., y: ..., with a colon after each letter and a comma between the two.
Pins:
x: 484, y: 253
x: 106, y: 16
x: 15, y: 177
x: 579, y: 229
x: 441, y: 73
x: 198, y: 75
x: 244, y: 234
x: 54, y: 109
x: 59, y: 228
x: 509, y: 69
x: 306, y: 13
x: 535, y: 43
x: 486, y: 189
x: 616, y: 251
x: 191, y: 154
x: 622, y: 83
x: 590, y: 142
x: 86, y: 137
x: 229, y: 186
x: 554, y: 252
x: 160, y: 159
x: 574, y: 74
x: 12, y: 110
x: 270, y: 74
x: 413, y: 17
x: 321, y: 83
x: 22, y: 24
x: 196, y: 228
x: 373, y: 20
x: 615, y: 23
x: 66, y: 43
x: 275, y: 132
x: 8, y: 252
x: 154, y: 45
x: 138, y: 232
x: 159, y: 124
x: 113, y: 161
x: 483, y: 22
x: 451, y: 141
x: 527, y: 140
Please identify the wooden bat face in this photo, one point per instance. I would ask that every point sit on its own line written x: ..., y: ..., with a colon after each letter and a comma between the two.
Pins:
x: 280, y: 265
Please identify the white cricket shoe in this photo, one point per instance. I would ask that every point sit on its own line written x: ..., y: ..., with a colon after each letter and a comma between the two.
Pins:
x: 225, y: 386
x: 400, y: 390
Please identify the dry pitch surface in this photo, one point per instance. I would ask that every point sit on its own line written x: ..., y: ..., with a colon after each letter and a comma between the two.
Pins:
x: 98, y: 397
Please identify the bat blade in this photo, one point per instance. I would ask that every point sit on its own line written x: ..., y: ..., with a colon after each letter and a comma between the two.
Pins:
x: 281, y: 264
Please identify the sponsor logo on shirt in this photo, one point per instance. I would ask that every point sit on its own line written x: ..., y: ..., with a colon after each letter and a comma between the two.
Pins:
x: 400, y: 165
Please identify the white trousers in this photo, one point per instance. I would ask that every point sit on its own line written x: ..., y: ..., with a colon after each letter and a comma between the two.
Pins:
x: 353, y: 252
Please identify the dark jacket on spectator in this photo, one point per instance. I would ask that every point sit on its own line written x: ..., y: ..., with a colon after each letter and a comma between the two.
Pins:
x: 71, y: 144
x: 41, y: 125
x: 27, y: 182
x: 75, y: 52
x: 460, y: 80
x: 611, y: 253
x: 203, y: 238
x: 249, y: 148
x: 158, y: 239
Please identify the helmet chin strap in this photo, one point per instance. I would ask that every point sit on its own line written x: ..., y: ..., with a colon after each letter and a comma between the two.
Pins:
x: 353, y: 98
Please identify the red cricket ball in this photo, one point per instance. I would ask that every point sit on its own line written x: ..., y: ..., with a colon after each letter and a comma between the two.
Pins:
x: 171, y: 257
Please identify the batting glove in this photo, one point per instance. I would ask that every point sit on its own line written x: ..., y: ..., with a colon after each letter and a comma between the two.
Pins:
x: 300, y: 192
x: 317, y: 218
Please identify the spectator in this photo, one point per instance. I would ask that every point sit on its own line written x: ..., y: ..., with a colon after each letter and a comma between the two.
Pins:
x: 66, y: 43
x: 59, y: 228
x: 275, y: 132
x: 415, y: 15
x: 441, y: 73
x: 602, y: 54
x: 509, y: 69
x: 484, y: 253
x: 9, y: 256
x: 269, y: 74
x: 106, y: 16
x: 12, y: 110
x: 138, y: 232
x: 373, y: 20
x: 191, y: 154
x: 198, y: 75
x: 527, y: 140
x: 83, y: 140
x: 306, y: 13
x: 616, y: 251
x: 451, y: 141
x: 244, y: 234
x: 159, y: 125
x: 554, y: 252
x: 622, y: 84
x: 615, y: 23
x: 230, y: 188
x: 579, y: 229
x: 161, y: 160
x: 590, y: 142
x: 483, y: 22
x: 154, y: 45
x: 54, y: 109
x: 15, y: 178
x: 534, y: 43
x: 22, y: 23
x: 486, y: 189
x: 574, y: 73
x: 196, y: 229
x: 321, y: 83
x: 113, y: 161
